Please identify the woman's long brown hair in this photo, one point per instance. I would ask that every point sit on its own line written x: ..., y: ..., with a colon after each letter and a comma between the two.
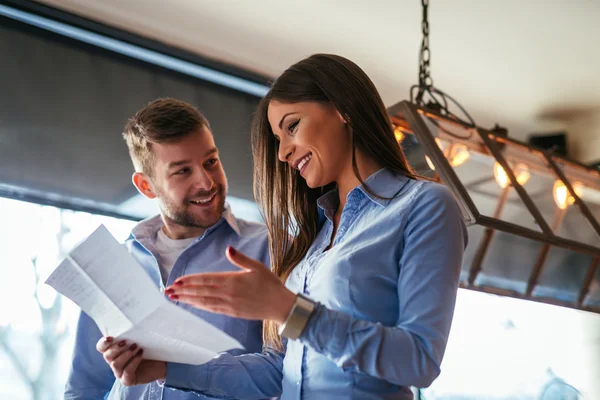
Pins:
x: 288, y: 205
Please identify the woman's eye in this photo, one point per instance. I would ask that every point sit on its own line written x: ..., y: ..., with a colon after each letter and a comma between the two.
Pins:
x: 292, y: 126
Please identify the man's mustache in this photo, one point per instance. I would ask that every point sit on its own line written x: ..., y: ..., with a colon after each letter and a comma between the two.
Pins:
x: 205, y: 194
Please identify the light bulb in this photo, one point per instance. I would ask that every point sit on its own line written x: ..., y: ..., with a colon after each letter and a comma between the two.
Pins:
x: 459, y: 153
x: 521, y: 172
x: 562, y: 197
x: 399, y: 133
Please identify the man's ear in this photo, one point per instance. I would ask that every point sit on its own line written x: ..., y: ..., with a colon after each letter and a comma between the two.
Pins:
x: 142, y: 184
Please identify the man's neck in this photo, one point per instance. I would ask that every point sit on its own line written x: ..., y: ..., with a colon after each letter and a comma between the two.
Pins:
x: 177, y: 232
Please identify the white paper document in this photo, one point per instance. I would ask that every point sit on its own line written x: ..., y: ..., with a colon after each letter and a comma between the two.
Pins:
x: 102, y: 278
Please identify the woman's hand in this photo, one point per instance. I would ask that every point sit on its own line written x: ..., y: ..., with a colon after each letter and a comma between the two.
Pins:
x: 252, y: 293
x: 125, y: 360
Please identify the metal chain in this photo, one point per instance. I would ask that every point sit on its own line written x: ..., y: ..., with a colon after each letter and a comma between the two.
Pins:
x: 436, y: 99
x: 425, y: 56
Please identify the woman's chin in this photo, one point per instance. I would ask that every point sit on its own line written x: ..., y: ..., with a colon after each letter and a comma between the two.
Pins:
x: 315, y: 184
x: 311, y: 183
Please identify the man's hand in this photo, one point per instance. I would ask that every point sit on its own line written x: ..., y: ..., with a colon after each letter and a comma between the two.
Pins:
x: 125, y: 360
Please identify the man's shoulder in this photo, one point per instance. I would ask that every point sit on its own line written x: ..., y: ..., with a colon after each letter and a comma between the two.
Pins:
x: 251, y: 229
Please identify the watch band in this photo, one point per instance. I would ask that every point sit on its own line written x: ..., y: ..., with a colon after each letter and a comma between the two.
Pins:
x: 297, y: 318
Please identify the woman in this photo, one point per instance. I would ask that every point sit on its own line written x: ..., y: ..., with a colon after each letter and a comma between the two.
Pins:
x: 374, y: 255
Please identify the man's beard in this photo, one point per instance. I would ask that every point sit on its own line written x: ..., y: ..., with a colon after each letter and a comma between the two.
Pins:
x: 180, y: 215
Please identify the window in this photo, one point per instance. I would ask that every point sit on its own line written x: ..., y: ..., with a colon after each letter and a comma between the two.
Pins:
x: 503, y: 348
x: 37, y: 326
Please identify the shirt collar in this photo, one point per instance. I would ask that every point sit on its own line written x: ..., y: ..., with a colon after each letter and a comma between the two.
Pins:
x: 147, y: 228
x: 230, y: 219
x: 385, y: 183
x: 329, y: 201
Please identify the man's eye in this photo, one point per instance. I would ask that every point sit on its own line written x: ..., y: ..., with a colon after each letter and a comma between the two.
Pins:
x: 182, y: 171
x: 212, y: 162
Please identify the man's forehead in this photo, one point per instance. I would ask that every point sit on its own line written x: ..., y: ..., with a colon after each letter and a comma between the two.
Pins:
x: 184, y: 150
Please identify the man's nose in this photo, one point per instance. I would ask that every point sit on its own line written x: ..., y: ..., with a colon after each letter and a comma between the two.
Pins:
x: 203, y: 180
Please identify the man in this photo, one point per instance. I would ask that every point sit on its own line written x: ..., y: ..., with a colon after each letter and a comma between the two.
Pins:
x: 177, y: 163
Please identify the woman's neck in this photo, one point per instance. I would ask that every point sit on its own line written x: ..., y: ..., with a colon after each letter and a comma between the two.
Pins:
x: 349, y: 181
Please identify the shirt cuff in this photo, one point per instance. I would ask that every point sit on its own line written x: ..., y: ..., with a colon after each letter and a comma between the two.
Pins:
x: 313, y: 323
x: 326, y: 330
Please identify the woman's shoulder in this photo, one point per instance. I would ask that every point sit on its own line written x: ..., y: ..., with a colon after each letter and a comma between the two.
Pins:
x: 429, y: 190
x: 423, y: 196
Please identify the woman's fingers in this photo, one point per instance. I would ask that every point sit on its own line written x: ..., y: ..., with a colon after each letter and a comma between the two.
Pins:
x: 196, y: 291
x: 212, y: 304
x: 205, y: 279
x: 115, y: 351
x: 117, y: 354
x: 129, y: 374
x: 121, y: 361
x: 104, y: 343
x: 218, y: 306
x: 242, y: 261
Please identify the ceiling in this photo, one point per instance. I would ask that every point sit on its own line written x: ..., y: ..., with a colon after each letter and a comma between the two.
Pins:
x: 530, y: 66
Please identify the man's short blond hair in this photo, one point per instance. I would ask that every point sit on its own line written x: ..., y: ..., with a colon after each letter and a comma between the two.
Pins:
x: 164, y: 120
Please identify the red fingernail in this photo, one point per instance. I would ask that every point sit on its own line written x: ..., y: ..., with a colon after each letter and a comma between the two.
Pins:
x: 122, y: 343
x: 231, y: 251
x: 179, y: 283
x: 174, y: 297
x: 133, y: 347
x: 108, y: 339
x: 169, y: 291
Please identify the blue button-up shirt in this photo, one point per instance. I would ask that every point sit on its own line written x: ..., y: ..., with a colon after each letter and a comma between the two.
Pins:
x: 386, y: 291
x: 91, y: 377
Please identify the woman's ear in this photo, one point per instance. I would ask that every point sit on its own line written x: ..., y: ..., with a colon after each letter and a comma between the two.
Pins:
x: 344, y: 119
x: 142, y: 184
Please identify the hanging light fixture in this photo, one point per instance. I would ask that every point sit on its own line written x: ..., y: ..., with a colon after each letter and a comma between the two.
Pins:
x: 521, y: 172
x: 507, y: 190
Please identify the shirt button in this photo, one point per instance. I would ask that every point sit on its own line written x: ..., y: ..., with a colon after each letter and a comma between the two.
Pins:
x: 162, y: 289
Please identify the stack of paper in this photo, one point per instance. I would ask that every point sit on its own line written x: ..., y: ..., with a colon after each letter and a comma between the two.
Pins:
x: 102, y: 278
